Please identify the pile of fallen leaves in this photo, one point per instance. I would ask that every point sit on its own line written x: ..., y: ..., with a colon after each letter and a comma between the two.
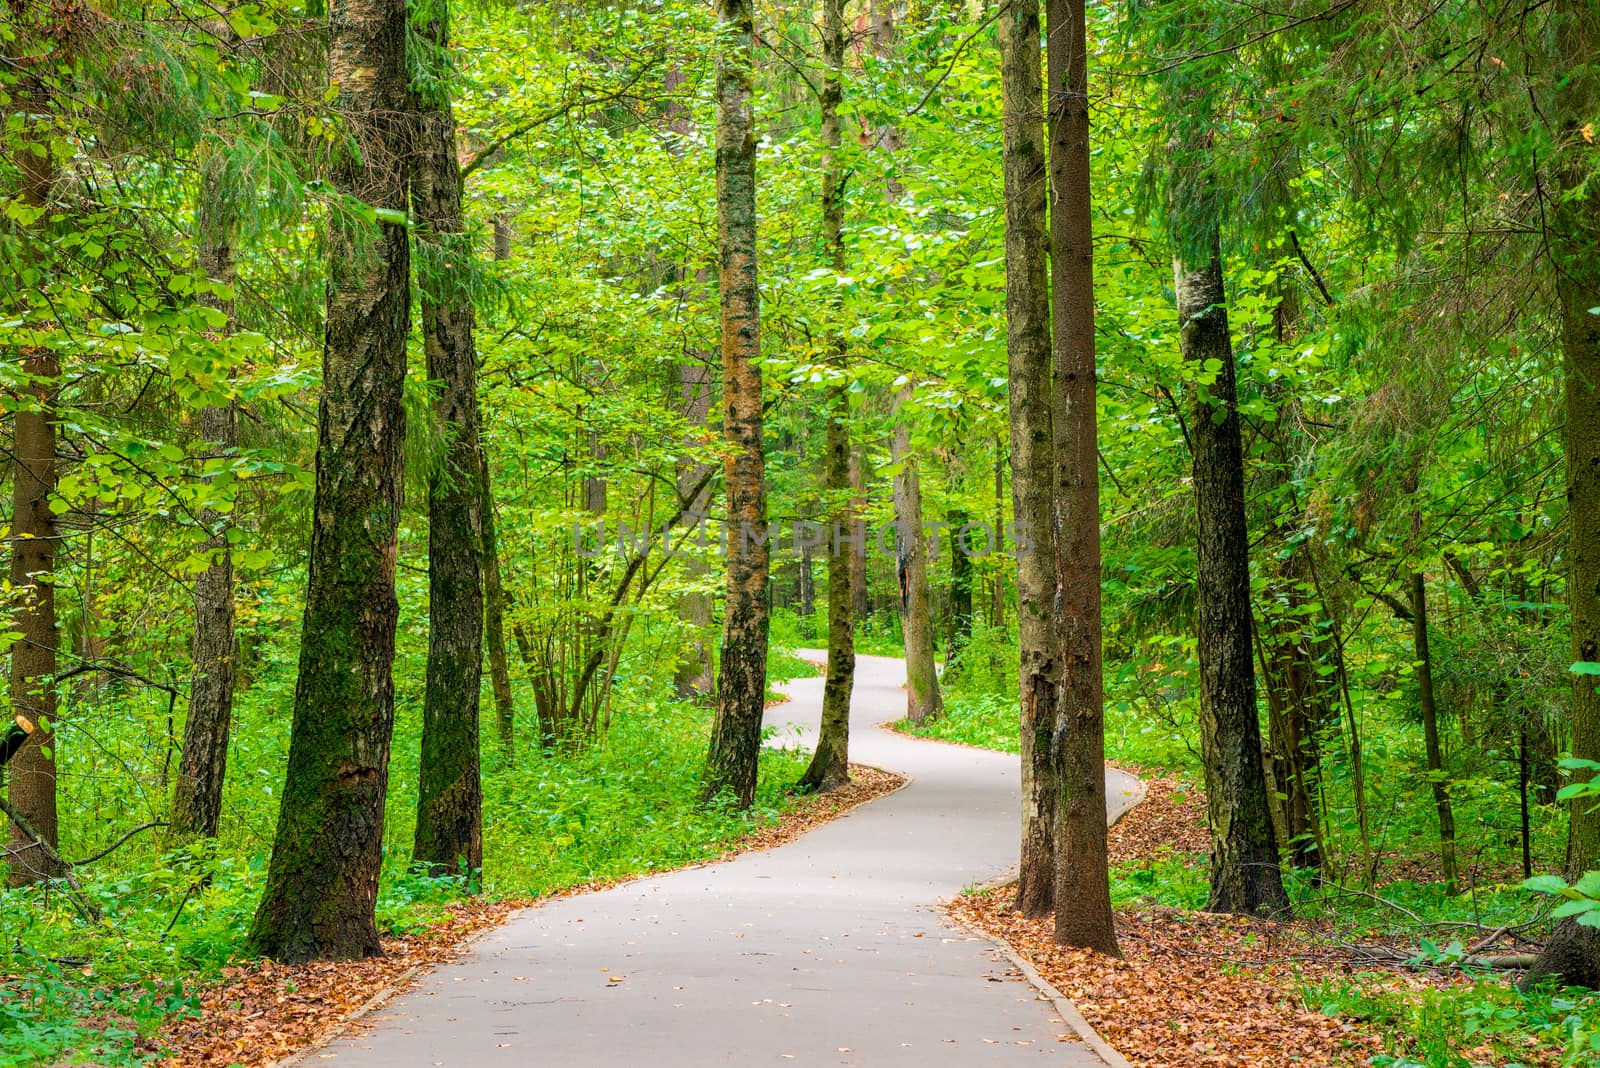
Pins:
x: 1172, y: 816
x: 262, y: 1011
x: 1197, y: 988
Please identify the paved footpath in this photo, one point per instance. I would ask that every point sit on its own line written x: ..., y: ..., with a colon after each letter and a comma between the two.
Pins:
x: 828, y: 950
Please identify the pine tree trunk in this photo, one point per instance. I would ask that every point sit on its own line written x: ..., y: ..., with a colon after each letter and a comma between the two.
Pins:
x: 742, y: 682
x: 1083, y: 886
x: 1032, y: 443
x: 830, y: 764
x: 1244, y: 852
x: 31, y: 773
x: 960, y: 633
x: 1572, y: 236
x: 449, y: 831
x: 197, y: 803
x: 923, y: 702
x: 1430, y: 726
x: 322, y: 882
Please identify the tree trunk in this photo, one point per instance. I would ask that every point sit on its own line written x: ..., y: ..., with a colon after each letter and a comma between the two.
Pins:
x: 1032, y: 442
x: 1083, y: 885
x: 1572, y: 236
x: 694, y: 679
x: 197, y: 803
x: 1430, y: 726
x: 449, y: 832
x: 830, y: 764
x: 858, y: 546
x: 494, y: 619
x: 494, y: 590
x: 1244, y: 853
x: 911, y: 551
x: 31, y: 774
x: 322, y: 882
x: 742, y: 682
x: 997, y: 612
x: 960, y: 634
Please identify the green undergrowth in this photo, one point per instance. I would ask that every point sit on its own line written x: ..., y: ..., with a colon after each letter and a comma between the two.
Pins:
x: 72, y: 992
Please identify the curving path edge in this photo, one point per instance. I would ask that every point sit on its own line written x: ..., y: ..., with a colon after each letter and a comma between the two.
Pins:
x: 827, y: 950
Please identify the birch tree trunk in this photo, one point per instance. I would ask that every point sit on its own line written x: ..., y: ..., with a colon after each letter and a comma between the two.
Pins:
x: 1244, y: 852
x: 830, y: 764
x: 1032, y: 442
x: 742, y: 682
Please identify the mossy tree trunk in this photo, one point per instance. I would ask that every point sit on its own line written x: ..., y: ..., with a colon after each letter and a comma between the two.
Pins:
x: 322, y: 882
x: 449, y: 831
x: 1430, y: 725
x: 1083, y: 887
x: 1024, y: 165
x: 1572, y: 236
x: 742, y: 682
x: 1244, y: 853
x: 197, y: 802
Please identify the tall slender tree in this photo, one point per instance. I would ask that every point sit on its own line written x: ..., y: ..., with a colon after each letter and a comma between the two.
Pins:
x: 742, y: 680
x: 449, y: 832
x: 322, y: 882
x: 923, y: 699
x: 1244, y: 852
x: 1028, y: 328
x: 830, y: 764
x: 1083, y: 886
x: 1572, y: 236
x: 197, y: 803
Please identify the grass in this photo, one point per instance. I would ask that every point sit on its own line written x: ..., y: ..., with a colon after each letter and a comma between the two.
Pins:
x: 72, y: 993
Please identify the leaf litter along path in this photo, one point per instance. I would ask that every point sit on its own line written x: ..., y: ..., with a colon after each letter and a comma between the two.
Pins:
x: 829, y: 950
x: 1206, y: 990
x: 263, y: 1011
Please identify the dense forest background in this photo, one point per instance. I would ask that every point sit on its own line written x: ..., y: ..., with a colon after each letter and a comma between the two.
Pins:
x: 203, y: 202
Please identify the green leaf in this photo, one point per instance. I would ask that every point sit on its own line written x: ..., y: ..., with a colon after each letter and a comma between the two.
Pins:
x: 1545, y: 884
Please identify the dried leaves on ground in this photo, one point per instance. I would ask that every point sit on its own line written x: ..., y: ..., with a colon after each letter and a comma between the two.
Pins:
x: 263, y: 1011
x: 1196, y: 988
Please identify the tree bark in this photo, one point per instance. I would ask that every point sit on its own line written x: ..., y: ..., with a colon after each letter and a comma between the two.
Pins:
x: 1430, y: 726
x: 31, y: 774
x: 197, y: 802
x: 960, y: 632
x: 322, y: 882
x: 1083, y: 885
x: 858, y: 548
x: 494, y: 590
x: 923, y: 701
x: 742, y: 682
x: 1032, y: 441
x: 1572, y: 236
x: 1244, y: 852
x: 830, y: 764
x: 494, y: 620
x: 449, y: 831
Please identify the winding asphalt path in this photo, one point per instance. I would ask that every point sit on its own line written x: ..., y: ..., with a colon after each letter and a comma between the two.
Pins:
x: 829, y: 950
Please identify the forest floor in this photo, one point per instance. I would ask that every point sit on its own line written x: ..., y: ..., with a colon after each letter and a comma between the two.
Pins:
x: 263, y: 1012
x: 1197, y: 988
